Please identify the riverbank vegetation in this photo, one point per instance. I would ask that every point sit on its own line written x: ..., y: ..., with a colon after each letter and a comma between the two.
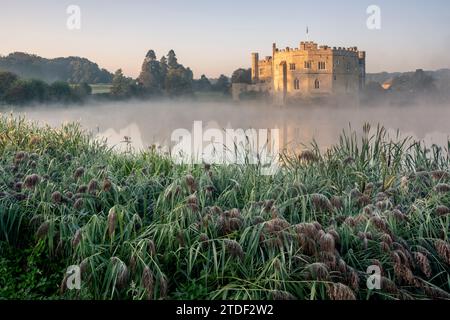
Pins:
x: 141, y: 227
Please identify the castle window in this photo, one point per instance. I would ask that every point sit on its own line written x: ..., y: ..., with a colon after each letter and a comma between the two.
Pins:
x: 296, y: 84
x: 348, y: 67
x: 321, y: 65
x: 291, y: 66
x: 307, y: 64
x: 317, y: 84
x: 335, y: 77
x: 261, y: 71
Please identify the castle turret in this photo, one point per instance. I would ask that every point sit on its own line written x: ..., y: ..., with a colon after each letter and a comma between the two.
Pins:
x: 255, y: 67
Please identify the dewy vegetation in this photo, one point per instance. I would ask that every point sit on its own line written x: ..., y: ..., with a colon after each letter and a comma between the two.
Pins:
x: 141, y: 227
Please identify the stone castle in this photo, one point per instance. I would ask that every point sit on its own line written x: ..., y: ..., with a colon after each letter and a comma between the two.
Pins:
x: 307, y: 72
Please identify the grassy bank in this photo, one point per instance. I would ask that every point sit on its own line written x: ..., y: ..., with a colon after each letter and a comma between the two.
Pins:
x: 141, y: 227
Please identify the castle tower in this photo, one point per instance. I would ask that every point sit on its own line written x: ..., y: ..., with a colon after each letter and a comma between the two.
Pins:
x: 255, y: 67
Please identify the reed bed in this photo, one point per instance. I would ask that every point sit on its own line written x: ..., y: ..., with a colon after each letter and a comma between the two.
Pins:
x: 141, y: 227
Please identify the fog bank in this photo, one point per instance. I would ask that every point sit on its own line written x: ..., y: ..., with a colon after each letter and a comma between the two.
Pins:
x: 152, y: 122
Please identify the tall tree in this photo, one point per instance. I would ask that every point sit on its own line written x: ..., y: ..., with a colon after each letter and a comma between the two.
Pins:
x: 19, y: 93
x: 152, y: 75
x: 164, y: 69
x: 81, y: 91
x: 242, y: 76
x: 7, y: 80
x: 172, y: 61
x: 222, y: 84
x: 122, y: 87
x: 60, y: 91
x: 178, y: 82
x: 203, y: 84
x: 151, y: 55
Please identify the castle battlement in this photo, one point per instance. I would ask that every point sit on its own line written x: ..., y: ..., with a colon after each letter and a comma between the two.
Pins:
x: 312, y: 46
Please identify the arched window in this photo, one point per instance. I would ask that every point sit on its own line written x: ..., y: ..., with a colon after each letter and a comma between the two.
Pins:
x: 296, y: 84
x: 317, y: 84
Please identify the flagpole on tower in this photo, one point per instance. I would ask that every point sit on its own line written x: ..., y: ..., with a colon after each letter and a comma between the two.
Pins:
x: 307, y: 33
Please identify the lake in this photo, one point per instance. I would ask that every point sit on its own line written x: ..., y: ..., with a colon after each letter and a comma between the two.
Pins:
x: 148, y: 123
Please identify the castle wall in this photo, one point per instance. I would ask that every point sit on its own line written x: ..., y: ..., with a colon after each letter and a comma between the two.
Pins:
x: 265, y: 70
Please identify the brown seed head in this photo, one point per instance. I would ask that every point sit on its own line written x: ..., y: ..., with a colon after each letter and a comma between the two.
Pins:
x: 404, y: 274
x: 443, y: 250
x: 57, y: 197
x: 352, y: 278
x: 317, y: 271
x: 112, y: 221
x: 307, y: 156
x: 348, y: 161
x: 35, y: 140
x: 84, y: 266
x: 43, y: 230
x: 327, y: 243
x: 440, y: 175
x: 442, y: 188
x: 20, y: 157
x: 82, y: 189
x: 336, y: 202
x: 78, y: 204
x: 190, y: 182
x: 321, y: 202
x: 122, y: 275
x: 234, y: 249
x: 18, y: 186
x: 308, y: 229
x: 339, y: 291
x: 282, y: 295
x: 148, y: 282
x: 76, y: 238
x: 107, y: 185
x: 355, y: 194
x: 423, y: 263
x: 31, y: 181
x: 92, y: 186
x: 268, y: 205
x: 442, y: 210
x: 363, y: 201
x: 163, y: 286
x: 151, y: 248
x: 329, y: 259
x: 388, y: 285
x: 79, y: 172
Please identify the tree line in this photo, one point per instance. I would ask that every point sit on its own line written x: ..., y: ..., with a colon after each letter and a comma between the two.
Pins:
x: 18, y: 91
x: 165, y: 77
x: 75, y: 70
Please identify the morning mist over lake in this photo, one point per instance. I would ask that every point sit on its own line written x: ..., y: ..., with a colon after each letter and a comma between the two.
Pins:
x: 147, y: 123
x: 211, y: 158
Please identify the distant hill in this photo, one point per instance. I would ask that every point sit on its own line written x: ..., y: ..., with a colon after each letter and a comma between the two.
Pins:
x: 431, y: 87
x: 442, y: 76
x: 71, y: 69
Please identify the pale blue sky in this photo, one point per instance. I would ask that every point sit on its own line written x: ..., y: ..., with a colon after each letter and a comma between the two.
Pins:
x: 214, y: 37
